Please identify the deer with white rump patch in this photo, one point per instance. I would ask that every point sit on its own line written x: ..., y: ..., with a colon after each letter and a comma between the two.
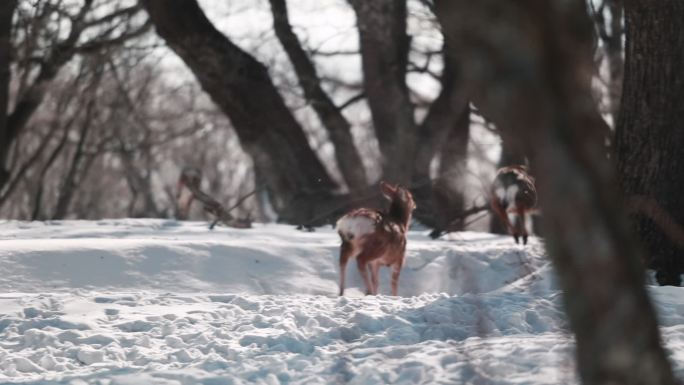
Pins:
x: 514, y: 195
x: 376, y: 238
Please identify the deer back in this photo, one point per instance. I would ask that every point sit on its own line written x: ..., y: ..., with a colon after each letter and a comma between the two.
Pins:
x: 513, y: 186
x: 380, y: 233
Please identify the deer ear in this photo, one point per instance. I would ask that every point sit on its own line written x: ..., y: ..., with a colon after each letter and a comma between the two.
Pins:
x: 387, y: 189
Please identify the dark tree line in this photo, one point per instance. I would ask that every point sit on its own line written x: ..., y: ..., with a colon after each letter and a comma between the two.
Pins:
x: 38, y: 40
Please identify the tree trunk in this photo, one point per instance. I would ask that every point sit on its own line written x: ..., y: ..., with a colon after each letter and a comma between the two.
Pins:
x: 242, y: 88
x: 443, y: 127
x: 139, y: 183
x: 444, y: 115
x: 75, y: 173
x: 79, y: 165
x: 650, y: 131
x: 530, y: 62
x: 337, y: 126
x: 384, y: 56
x: 6, y: 12
x: 447, y: 192
x: 616, y: 63
x: 37, y: 213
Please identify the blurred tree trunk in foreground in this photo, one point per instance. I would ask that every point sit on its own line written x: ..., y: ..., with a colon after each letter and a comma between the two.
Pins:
x: 608, y: 18
x: 6, y: 12
x: 529, y: 64
x: 614, y: 55
x: 241, y: 86
x: 650, y: 131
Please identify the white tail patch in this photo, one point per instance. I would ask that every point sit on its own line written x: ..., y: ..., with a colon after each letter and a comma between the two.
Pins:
x: 511, y: 192
x: 376, y: 238
x: 500, y: 193
x: 513, y: 196
x: 355, y: 226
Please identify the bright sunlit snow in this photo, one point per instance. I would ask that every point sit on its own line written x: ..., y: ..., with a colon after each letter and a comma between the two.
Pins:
x: 165, y: 302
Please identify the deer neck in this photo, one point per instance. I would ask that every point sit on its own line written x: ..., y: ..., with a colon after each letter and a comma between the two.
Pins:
x: 399, y: 213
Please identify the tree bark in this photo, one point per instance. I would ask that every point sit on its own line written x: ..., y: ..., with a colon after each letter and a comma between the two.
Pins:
x: 444, y: 132
x: 6, y: 12
x: 530, y: 62
x: 338, y: 128
x: 650, y: 132
x: 242, y: 88
x: 448, y: 196
x: 614, y: 52
x: 384, y: 56
x: 444, y: 116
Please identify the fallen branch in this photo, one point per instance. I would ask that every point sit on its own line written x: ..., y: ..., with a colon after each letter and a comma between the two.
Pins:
x: 456, y: 221
x: 238, y: 203
x: 214, y: 207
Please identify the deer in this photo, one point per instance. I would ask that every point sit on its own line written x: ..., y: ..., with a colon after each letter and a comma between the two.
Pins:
x: 513, y: 195
x: 376, y: 238
x: 189, y: 181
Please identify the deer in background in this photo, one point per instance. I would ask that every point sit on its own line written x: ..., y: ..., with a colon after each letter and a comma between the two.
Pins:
x: 514, y: 196
x: 376, y: 238
x: 189, y: 181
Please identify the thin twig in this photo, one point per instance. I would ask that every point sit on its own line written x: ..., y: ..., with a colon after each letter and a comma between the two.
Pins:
x: 238, y: 203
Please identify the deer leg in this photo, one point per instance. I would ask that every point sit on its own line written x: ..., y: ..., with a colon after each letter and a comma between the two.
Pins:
x: 515, y: 227
x: 522, y: 227
x: 396, y: 270
x: 375, y: 267
x: 363, y: 270
x: 345, y: 253
x: 189, y: 205
x: 502, y: 214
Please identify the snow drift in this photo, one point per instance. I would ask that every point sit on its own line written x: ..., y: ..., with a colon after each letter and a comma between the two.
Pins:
x: 164, y: 302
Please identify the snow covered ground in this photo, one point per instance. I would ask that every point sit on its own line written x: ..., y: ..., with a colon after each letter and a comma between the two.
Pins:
x: 164, y: 302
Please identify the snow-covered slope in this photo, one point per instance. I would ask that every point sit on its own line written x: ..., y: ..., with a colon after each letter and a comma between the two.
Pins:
x: 163, y: 302
x: 269, y: 259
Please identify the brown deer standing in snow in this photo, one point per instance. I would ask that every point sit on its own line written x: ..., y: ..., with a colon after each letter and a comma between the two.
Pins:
x: 513, y: 194
x: 376, y: 238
